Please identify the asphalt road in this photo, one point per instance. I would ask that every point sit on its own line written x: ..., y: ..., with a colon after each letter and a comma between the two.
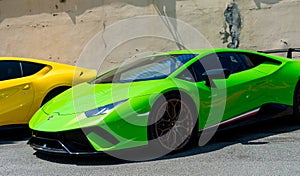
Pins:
x: 267, y: 148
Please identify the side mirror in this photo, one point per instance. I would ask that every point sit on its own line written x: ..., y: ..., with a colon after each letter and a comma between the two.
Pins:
x: 210, y: 75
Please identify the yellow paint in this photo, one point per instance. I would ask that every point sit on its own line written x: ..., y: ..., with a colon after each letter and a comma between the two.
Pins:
x: 20, y: 98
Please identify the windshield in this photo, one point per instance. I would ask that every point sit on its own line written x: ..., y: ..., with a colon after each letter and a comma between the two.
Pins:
x: 151, y: 68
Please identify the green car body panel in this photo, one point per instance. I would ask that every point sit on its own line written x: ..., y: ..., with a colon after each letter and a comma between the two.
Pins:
x: 268, y: 82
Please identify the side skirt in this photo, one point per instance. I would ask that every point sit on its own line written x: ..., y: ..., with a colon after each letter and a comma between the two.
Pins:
x: 264, y: 113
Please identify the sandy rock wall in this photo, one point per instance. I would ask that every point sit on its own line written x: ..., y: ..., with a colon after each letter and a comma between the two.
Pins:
x: 60, y: 30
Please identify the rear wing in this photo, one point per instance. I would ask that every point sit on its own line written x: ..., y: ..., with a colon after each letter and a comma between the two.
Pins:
x: 289, y: 51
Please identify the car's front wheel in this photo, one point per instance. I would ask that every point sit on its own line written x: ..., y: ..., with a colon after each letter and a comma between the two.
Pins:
x: 171, y: 122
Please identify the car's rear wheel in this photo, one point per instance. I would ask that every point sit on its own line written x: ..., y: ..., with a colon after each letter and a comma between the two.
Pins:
x: 296, y: 105
x: 172, y: 122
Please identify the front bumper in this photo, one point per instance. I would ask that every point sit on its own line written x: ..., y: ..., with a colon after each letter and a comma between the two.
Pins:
x: 72, y: 142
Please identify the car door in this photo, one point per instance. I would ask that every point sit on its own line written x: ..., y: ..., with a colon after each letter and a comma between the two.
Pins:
x: 240, y: 93
x: 16, y: 94
x: 212, y: 99
x: 245, y: 86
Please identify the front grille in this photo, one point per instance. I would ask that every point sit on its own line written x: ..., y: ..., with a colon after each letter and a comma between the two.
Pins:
x: 48, y: 135
x: 76, y: 141
x: 73, y: 141
x: 47, y: 145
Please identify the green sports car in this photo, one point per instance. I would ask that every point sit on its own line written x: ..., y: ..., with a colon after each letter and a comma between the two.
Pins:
x: 163, y: 101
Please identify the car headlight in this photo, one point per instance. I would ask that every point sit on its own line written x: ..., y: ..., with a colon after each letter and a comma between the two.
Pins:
x: 103, y: 109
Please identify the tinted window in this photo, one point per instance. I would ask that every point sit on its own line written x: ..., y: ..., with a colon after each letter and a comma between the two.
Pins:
x: 30, y: 68
x: 256, y: 59
x: 194, y: 72
x: 230, y: 61
x: 247, y: 60
x: 10, y: 70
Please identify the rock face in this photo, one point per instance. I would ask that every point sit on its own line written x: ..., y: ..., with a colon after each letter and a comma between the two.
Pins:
x: 74, y: 31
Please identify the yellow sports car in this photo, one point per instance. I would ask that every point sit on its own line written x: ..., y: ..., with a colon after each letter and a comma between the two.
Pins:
x: 26, y: 84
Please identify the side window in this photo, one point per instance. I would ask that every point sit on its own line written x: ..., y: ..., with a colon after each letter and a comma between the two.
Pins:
x: 30, y: 68
x: 232, y: 62
x: 246, y: 59
x: 194, y: 72
x: 258, y: 59
x: 10, y: 70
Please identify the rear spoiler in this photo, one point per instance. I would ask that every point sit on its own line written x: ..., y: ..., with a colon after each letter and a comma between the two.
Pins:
x: 289, y: 51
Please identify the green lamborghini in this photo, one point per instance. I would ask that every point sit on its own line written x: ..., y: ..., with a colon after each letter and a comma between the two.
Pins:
x: 163, y: 101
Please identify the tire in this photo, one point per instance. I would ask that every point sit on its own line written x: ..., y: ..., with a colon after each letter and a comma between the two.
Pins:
x: 172, y: 123
x: 296, y: 104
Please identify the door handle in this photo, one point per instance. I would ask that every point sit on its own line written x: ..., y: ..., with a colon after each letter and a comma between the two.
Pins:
x: 26, y: 87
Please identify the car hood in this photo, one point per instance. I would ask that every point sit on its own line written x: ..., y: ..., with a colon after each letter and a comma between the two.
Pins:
x: 87, y: 96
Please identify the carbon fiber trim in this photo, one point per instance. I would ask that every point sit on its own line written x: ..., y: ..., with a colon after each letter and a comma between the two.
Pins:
x: 44, y: 145
x: 73, y: 142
